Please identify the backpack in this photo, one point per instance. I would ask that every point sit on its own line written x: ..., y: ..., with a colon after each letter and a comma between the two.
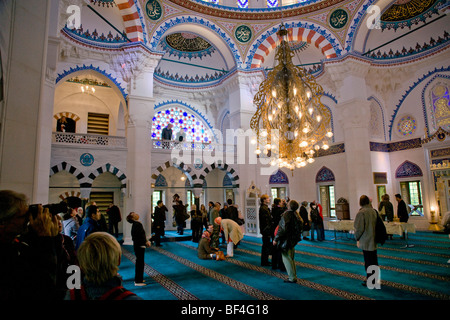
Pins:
x: 295, y: 230
x: 116, y: 293
x: 380, y: 230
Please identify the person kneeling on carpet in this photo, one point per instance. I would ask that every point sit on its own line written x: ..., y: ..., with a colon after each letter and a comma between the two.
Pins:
x: 232, y: 231
x: 204, y: 250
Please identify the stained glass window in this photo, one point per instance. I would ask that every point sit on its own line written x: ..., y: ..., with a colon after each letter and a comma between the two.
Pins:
x: 272, y: 3
x: 242, y: 4
x: 180, y: 119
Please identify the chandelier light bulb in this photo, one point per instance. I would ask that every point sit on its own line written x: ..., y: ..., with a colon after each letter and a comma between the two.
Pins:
x: 269, y: 117
x: 274, y: 93
x: 310, y: 160
x: 325, y: 146
x: 329, y: 134
x: 257, y: 151
x: 304, y: 144
x: 319, y: 118
x: 308, y: 94
x: 310, y: 110
x: 253, y: 141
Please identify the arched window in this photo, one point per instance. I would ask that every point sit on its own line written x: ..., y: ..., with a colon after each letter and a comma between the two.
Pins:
x: 410, y: 185
x: 180, y: 118
x: 327, y: 195
x: 279, y: 183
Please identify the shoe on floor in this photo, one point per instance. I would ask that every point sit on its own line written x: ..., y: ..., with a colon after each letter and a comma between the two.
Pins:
x: 290, y: 281
x: 140, y: 284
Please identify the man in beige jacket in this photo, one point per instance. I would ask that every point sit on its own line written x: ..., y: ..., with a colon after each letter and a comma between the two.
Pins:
x: 232, y: 231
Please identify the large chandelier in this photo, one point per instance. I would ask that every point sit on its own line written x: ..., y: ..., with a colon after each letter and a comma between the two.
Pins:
x: 290, y: 122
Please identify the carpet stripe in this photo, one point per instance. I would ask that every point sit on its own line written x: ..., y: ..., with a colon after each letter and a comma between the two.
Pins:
x: 400, y: 286
x: 302, y: 282
x: 416, y: 273
x: 258, y: 294
x: 179, y: 292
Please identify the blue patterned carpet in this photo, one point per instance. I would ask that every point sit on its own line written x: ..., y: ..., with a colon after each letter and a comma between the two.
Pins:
x: 328, y: 270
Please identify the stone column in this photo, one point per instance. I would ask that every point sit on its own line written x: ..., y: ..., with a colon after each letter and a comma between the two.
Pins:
x: 353, y: 114
x: 28, y: 101
x: 137, y: 65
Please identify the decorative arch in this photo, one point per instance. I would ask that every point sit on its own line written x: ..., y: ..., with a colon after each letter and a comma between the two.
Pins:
x: 67, y: 114
x: 199, y: 25
x: 131, y: 15
x: 78, y: 69
x: 111, y: 169
x: 67, y: 194
x: 180, y: 166
x: 198, y: 183
x: 279, y: 177
x: 407, y: 170
x: 408, y: 91
x: 425, y: 104
x: 64, y: 166
x: 313, y: 34
x: 325, y: 175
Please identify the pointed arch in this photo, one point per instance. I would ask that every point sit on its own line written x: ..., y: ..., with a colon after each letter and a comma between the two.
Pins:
x: 325, y: 175
x: 111, y: 169
x: 180, y: 166
x: 408, y: 169
x: 232, y: 174
x: 279, y: 177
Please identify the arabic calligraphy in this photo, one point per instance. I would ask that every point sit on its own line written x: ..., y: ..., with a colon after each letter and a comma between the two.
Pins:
x: 153, y: 9
x: 243, y: 33
x: 338, y: 18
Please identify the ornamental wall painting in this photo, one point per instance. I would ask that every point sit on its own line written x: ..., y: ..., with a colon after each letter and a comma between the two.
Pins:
x: 440, y: 105
x: 407, y: 170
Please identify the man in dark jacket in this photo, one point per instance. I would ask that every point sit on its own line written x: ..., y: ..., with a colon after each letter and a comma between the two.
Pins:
x: 90, y: 224
x: 306, y: 224
x: 159, y: 218
x: 167, y: 132
x: 277, y: 211
x: 287, y: 236
x: 402, y: 211
x: 265, y: 228
x: 140, y: 242
x: 114, y: 217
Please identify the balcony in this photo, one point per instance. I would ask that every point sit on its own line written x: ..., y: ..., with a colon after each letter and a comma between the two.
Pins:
x: 87, y: 139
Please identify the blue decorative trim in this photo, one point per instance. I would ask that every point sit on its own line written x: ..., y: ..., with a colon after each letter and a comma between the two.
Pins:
x: 141, y: 18
x: 382, y: 113
x: 307, y: 25
x: 424, y: 105
x: 355, y: 24
x: 183, y: 104
x: 408, y: 91
x: 257, y: 10
x: 396, y: 146
x: 157, y: 35
x: 97, y: 69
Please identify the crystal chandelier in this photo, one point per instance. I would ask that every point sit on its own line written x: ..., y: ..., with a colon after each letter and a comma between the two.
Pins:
x: 290, y: 122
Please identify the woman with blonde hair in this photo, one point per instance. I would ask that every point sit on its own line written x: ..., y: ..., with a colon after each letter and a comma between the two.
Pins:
x: 99, y: 260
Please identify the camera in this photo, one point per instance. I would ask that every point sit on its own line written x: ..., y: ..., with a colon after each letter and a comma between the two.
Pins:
x: 53, y: 208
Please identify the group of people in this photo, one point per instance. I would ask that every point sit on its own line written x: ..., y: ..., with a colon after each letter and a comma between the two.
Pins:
x: 282, y: 226
x: 35, y: 255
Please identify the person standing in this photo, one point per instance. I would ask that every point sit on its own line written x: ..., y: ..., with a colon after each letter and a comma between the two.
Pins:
x: 90, y: 224
x: 214, y: 214
x: 402, y: 211
x: 196, y: 223
x: 70, y: 224
x: 180, y: 217
x: 159, y: 218
x: 114, y: 217
x: 277, y: 211
x: 140, y: 242
x: 306, y: 223
x: 167, y: 132
x: 365, y: 222
x: 204, y: 216
x: 316, y: 221
x: 265, y: 228
x: 386, y: 207
x: 288, y: 234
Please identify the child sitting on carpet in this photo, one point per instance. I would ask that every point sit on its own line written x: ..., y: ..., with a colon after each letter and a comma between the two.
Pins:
x: 204, y: 249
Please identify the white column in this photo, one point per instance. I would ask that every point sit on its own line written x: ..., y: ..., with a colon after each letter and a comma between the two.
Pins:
x: 21, y: 161
x: 353, y: 114
x: 140, y: 113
